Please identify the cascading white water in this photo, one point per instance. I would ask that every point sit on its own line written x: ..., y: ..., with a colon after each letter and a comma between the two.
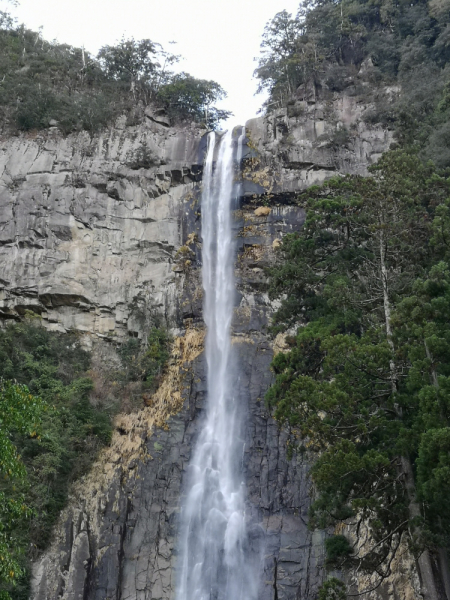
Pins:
x: 214, y: 559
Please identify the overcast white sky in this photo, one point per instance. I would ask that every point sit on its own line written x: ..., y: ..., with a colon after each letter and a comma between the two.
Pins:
x: 217, y: 38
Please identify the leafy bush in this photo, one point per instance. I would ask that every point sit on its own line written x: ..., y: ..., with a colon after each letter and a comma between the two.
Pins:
x: 339, y: 138
x: 337, y: 77
x: 332, y: 589
x: 146, y: 363
x: 141, y: 158
x: 338, y: 548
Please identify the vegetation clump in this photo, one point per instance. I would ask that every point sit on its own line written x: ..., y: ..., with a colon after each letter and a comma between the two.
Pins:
x: 20, y: 415
x: 51, y: 432
x: 332, y: 589
x: 366, y: 383
x: 45, y: 84
x: 53, y: 422
x: 145, y: 363
x: 367, y: 48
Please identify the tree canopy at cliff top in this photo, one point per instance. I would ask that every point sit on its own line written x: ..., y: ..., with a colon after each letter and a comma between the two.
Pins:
x: 404, y: 44
x: 44, y: 83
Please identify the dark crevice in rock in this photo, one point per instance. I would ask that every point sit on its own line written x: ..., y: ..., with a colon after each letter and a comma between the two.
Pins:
x: 30, y: 244
x: 266, y: 199
x: 54, y: 299
x: 121, y: 553
x: 275, y: 576
x: 289, y: 164
x: 88, y: 564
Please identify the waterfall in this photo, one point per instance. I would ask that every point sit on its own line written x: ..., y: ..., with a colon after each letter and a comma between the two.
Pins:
x: 214, y: 557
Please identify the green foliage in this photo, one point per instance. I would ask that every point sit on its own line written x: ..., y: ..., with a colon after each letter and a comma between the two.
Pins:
x: 346, y: 221
x: 339, y: 138
x: 142, y: 66
x: 20, y: 415
x: 422, y: 328
x: 44, y: 83
x: 142, y: 158
x: 323, y: 47
x: 46, y: 419
x: 190, y: 98
x: 146, y: 363
x: 366, y: 381
x: 284, y: 64
x: 129, y: 60
x: 337, y: 548
x: 332, y: 589
x: 433, y: 474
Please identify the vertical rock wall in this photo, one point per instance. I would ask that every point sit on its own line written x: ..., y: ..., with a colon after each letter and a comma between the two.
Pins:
x: 89, y: 226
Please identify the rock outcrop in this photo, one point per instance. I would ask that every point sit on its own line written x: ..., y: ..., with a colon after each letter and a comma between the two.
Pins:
x: 312, y: 140
x: 89, y: 226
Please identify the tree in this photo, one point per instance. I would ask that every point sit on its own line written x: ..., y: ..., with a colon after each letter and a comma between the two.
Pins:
x: 344, y: 385
x: 367, y: 232
x: 20, y: 414
x: 143, y: 64
x: 130, y: 60
x: 186, y: 97
x: 422, y: 329
x: 279, y: 69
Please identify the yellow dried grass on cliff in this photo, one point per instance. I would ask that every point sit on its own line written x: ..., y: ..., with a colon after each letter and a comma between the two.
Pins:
x: 132, y: 430
x: 262, y: 211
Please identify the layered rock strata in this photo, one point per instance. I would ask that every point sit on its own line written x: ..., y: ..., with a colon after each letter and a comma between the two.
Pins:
x: 89, y: 226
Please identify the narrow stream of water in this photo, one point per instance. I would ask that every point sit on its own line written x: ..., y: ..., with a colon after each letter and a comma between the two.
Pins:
x: 213, y: 544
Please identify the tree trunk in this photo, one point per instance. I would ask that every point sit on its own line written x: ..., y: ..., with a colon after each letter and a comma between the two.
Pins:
x: 434, y: 378
x: 445, y: 570
x: 427, y: 580
x: 387, y: 311
x: 428, y: 584
x: 442, y: 553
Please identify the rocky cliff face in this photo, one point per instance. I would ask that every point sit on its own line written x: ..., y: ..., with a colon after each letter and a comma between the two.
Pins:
x: 99, y: 233
x: 89, y: 226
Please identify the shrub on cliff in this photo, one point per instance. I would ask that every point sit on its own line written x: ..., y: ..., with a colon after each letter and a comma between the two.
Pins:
x: 145, y: 363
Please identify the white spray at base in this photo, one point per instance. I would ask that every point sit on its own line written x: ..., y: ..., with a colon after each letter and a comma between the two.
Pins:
x: 213, y: 557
